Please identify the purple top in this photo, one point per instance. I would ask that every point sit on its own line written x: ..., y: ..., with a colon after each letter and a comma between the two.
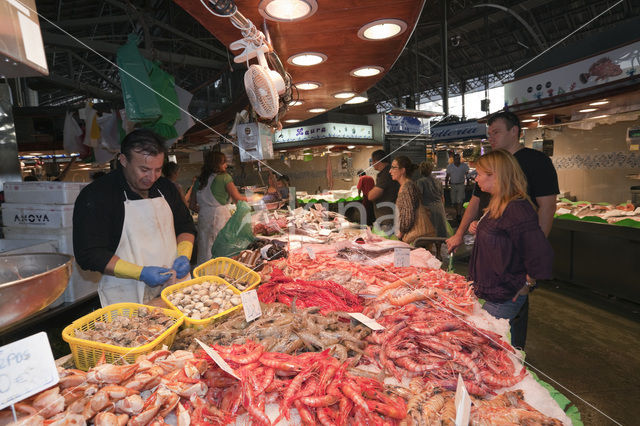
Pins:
x: 506, y: 250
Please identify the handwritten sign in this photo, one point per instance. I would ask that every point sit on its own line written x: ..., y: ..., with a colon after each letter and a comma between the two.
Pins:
x: 311, y: 253
x: 26, y: 368
x: 215, y: 356
x: 251, y: 305
x: 463, y: 403
x: 401, y: 257
x: 369, y: 322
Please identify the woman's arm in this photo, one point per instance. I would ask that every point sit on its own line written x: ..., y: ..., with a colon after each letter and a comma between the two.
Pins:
x: 234, y: 193
x: 406, y: 211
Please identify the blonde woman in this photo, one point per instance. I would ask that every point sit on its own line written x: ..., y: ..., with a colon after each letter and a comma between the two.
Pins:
x: 510, y: 250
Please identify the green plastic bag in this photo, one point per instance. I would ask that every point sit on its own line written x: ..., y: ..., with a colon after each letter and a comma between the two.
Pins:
x: 236, y: 235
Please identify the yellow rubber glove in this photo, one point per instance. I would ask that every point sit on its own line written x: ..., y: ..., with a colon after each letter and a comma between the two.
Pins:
x: 124, y: 269
x: 185, y: 248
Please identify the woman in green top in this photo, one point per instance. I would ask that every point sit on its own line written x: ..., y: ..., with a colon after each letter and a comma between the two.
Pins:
x: 215, y: 189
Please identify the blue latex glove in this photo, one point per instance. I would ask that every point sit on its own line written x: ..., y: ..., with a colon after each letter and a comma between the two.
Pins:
x: 154, y: 276
x: 182, y: 266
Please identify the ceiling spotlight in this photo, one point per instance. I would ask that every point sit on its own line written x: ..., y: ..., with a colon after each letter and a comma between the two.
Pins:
x: 351, y: 146
x: 600, y: 116
x: 538, y: 115
x: 291, y: 121
x: 367, y: 71
x: 308, y: 85
x: 330, y: 146
x: 528, y: 120
x: 317, y: 110
x: 287, y: 10
x: 295, y: 103
x: 369, y: 146
x: 307, y: 59
x: 357, y: 100
x: 588, y: 110
x: 599, y: 103
x: 382, y: 29
x: 344, y: 95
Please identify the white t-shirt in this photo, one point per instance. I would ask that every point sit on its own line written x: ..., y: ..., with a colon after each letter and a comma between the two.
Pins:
x: 457, y: 174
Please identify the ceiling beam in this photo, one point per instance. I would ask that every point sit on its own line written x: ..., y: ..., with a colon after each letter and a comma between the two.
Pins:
x: 95, y: 69
x: 103, y: 47
x: 78, y: 87
x: 86, y: 22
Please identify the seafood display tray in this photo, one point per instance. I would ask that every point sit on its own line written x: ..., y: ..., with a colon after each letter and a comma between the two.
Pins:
x: 190, y: 322
x: 230, y: 268
x: 87, y: 353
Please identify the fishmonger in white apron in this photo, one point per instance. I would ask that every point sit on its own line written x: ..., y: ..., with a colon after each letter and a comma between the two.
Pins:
x: 212, y: 216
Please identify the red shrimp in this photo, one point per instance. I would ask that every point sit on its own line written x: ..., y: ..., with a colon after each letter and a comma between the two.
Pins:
x: 319, y: 401
x: 306, y: 415
x: 350, y: 392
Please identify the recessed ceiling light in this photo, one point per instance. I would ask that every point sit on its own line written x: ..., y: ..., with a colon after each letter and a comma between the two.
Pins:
x: 344, y: 95
x: 292, y: 120
x: 599, y: 103
x: 330, y: 146
x: 307, y: 59
x: 528, y: 120
x: 287, y: 10
x: 295, y: 103
x: 600, y: 116
x: 308, y: 85
x: 283, y: 150
x: 357, y: 100
x: 538, y: 115
x: 382, y: 29
x: 588, y: 109
x: 317, y: 110
x: 369, y: 146
x: 367, y: 71
x: 351, y: 146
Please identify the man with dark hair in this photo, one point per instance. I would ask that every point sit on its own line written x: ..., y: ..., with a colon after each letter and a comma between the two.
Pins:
x: 130, y: 220
x: 456, y: 179
x: 542, y: 186
x: 384, y: 194
x: 365, y: 185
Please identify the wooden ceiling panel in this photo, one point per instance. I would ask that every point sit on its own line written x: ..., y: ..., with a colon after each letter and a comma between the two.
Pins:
x: 332, y: 30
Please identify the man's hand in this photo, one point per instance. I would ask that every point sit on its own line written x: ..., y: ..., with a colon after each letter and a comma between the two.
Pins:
x: 182, y: 266
x: 154, y: 276
x: 531, y: 282
x: 454, y: 242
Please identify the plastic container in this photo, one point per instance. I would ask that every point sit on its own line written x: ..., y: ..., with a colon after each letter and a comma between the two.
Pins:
x: 87, y: 353
x: 190, y: 322
x: 42, y: 192
x: 231, y: 269
x: 55, y: 216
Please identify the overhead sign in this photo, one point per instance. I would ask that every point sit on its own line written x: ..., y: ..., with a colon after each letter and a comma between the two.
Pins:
x: 459, y: 131
x: 405, y: 125
x: 616, y: 64
x: 323, y: 131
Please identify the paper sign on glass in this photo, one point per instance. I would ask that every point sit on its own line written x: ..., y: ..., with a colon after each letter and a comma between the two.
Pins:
x: 311, y: 253
x: 26, y: 368
x: 463, y: 403
x: 251, y: 305
x: 401, y: 257
x: 369, y: 322
x: 215, y: 356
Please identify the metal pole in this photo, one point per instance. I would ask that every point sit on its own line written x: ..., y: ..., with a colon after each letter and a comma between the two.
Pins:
x: 445, y: 60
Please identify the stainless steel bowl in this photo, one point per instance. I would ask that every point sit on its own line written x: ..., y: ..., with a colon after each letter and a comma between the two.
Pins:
x: 30, y: 282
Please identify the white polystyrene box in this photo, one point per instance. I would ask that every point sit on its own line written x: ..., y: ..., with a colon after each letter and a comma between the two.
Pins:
x: 42, y: 192
x: 19, y: 215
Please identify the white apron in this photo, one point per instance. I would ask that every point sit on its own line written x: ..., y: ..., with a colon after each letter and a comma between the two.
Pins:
x: 148, y: 239
x: 212, y: 216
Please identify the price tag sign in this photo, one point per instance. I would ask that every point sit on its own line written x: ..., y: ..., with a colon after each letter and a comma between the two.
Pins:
x: 215, y: 356
x: 251, y: 305
x: 401, y: 257
x: 311, y: 253
x: 463, y: 403
x: 369, y: 322
x: 324, y: 232
x: 26, y: 368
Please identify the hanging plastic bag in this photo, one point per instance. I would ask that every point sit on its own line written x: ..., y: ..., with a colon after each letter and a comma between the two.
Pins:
x: 236, y: 235
x: 164, y: 84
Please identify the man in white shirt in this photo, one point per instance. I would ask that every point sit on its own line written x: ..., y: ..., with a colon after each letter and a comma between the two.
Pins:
x: 456, y: 178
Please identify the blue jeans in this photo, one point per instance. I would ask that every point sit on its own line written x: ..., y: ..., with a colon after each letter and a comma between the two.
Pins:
x: 509, y: 310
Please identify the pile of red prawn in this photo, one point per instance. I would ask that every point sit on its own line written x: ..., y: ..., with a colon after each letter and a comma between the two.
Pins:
x: 327, y: 295
x: 435, y: 345
x: 317, y: 385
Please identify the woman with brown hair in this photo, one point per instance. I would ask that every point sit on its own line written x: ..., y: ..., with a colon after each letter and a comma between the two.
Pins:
x: 432, y: 198
x: 411, y: 217
x: 510, y: 250
x: 215, y: 189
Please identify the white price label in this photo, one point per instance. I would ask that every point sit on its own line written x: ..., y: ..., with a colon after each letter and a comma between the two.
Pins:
x: 463, y: 403
x: 26, y: 368
x: 401, y: 257
x: 251, y: 305
x: 215, y: 356
x: 324, y: 232
x: 311, y: 253
x: 369, y: 322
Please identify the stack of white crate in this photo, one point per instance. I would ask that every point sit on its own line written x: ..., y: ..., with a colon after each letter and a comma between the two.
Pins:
x: 44, y: 211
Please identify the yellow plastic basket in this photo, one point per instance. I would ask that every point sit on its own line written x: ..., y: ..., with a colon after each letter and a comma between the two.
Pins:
x: 190, y: 322
x: 230, y: 268
x: 87, y: 353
